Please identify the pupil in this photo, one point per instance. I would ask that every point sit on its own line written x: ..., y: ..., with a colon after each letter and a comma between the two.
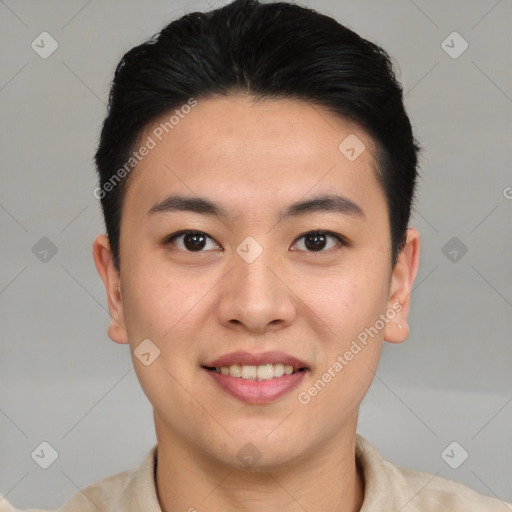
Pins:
x: 315, y: 241
x: 194, y: 241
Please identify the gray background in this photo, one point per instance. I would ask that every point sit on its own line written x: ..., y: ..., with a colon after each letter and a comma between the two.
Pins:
x: 63, y: 381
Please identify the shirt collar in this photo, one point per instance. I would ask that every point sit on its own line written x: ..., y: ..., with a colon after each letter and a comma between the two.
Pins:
x: 378, y: 493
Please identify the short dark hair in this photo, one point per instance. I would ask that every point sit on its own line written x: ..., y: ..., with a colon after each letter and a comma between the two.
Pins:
x: 272, y: 50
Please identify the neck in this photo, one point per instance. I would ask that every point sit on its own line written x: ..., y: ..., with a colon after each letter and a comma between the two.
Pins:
x: 327, y: 479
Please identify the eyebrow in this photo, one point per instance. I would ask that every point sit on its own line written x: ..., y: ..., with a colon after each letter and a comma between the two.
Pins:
x: 324, y: 203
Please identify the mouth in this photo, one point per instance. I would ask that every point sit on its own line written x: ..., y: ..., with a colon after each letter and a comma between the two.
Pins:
x: 260, y: 372
x: 256, y: 378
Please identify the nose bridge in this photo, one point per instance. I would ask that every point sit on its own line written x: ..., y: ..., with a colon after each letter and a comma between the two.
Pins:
x: 253, y: 293
x: 256, y: 278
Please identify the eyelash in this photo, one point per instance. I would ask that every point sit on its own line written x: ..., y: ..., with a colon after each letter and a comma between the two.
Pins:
x: 342, y: 241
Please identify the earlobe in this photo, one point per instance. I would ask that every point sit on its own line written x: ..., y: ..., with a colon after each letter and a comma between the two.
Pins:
x: 396, y: 332
x: 104, y: 262
x: 402, y: 280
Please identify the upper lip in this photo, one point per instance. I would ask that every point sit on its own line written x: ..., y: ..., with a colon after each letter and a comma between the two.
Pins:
x: 246, y: 358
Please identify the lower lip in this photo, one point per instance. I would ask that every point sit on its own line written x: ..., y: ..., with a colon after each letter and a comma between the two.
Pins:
x: 257, y: 391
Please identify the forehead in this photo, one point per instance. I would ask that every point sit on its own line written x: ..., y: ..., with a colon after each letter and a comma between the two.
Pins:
x: 259, y: 153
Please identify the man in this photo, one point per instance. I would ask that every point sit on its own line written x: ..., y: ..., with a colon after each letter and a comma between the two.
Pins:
x: 257, y: 170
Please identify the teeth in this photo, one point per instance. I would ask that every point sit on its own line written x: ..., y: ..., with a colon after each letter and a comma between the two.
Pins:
x: 235, y: 371
x: 279, y: 370
x: 249, y: 372
x: 265, y: 372
x: 252, y: 372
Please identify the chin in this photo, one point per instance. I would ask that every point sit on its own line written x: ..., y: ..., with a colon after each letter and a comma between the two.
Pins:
x: 251, y: 458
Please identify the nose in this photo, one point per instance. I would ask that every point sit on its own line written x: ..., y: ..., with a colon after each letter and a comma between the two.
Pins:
x: 255, y: 296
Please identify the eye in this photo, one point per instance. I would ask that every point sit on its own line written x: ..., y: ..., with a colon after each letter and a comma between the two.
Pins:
x: 317, y: 241
x: 312, y: 241
x: 190, y: 241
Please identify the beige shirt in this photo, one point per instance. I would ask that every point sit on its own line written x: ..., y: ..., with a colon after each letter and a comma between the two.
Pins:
x: 388, y: 488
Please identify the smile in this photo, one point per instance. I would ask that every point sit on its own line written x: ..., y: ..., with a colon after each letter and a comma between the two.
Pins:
x: 261, y: 372
x: 256, y: 378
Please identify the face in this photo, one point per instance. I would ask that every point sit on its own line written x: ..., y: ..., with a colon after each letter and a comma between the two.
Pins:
x: 283, y: 258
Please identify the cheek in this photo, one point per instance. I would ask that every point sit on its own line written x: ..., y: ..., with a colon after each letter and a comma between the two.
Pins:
x: 346, y: 302
x: 169, y: 308
x: 155, y: 299
x: 161, y: 307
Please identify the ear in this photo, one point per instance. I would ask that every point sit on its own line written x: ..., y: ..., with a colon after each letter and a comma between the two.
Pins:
x: 104, y: 262
x: 402, y: 279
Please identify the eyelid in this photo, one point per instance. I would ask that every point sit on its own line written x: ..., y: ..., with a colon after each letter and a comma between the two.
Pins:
x: 170, y: 238
x: 342, y: 240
